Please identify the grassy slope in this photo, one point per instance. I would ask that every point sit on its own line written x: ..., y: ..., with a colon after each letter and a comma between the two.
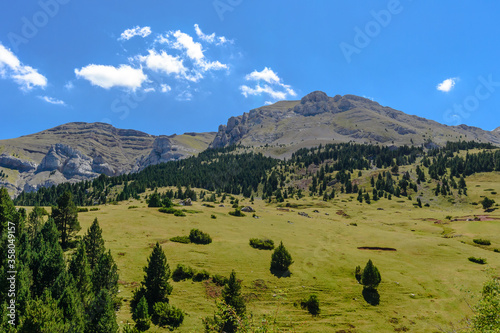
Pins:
x: 427, y: 283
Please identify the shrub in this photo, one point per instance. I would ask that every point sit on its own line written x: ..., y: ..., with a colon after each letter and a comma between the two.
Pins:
x: 213, y: 216
x: 281, y: 259
x: 262, y: 244
x: 487, y: 203
x: 179, y: 213
x: 358, y: 273
x: 182, y: 272
x: 370, y: 278
x: 311, y: 304
x: 237, y: 212
x: 219, y: 280
x: 496, y: 250
x: 181, y: 239
x: 82, y: 210
x: 154, y: 200
x: 208, y: 205
x: 481, y: 241
x: 201, y: 276
x: 94, y: 209
x: 481, y: 261
x: 132, y: 207
x: 165, y: 314
x: 167, y: 210
x: 199, y: 237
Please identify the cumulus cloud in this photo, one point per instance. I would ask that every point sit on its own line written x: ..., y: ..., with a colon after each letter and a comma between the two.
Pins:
x: 212, y: 38
x: 26, y: 76
x: 52, y: 100
x: 447, y: 84
x: 267, y: 82
x: 163, y: 62
x: 165, y: 88
x: 109, y: 76
x: 136, y: 31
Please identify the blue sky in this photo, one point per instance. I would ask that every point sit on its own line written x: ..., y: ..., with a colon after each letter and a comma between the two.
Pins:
x: 167, y: 67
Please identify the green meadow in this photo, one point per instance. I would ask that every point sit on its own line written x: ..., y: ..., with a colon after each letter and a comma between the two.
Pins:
x: 428, y: 283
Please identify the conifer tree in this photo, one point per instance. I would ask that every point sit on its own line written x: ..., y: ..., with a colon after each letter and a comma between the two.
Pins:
x: 102, y: 316
x: 80, y: 271
x: 141, y: 315
x: 370, y: 278
x: 65, y: 216
x: 94, y: 243
x: 43, y: 316
x: 281, y: 259
x: 105, y: 275
x: 232, y: 294
x: 156, y: 286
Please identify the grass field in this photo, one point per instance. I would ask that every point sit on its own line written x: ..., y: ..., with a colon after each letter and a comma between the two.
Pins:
x: 428, y: 284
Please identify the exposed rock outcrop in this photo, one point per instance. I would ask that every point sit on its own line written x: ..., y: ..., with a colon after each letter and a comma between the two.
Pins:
x: 15, y: 163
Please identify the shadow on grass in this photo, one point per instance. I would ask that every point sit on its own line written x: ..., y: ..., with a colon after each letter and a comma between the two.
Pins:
x: 280, y: 274
x: 371, y: 296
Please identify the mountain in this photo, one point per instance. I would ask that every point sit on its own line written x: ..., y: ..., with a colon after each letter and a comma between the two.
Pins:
x: 317, y: 118
x: 81, y: 151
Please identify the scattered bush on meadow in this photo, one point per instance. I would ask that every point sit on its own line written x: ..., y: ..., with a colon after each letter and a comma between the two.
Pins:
x: 199, y: 237
x: 262, y: 244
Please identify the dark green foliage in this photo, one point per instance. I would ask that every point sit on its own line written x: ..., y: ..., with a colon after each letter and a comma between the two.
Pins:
x: 141, y: 315
x: 281, y: 259
x: 73, y: 308
x: 201, y: 276
x: 179, y: 213
x: 481, y: 241
x: 358, y: 273
x: 154, y: 200
x: 311, y: 304
x: 487, y: 203
x: 231, y: 294
x: 65, y: 216
x: 166, y: 315
x: 237, y: 212
x: 105, y: 275
x: 102, y: 316
x: 82, y: 210
x: 213, y: 216
x: 181, y: 239
x: 481, y: 261
x: 262, y: 244
x: 155, y: 282
x: 35, y: 221
x: 370, y: 278
x: 79, y: 269
x: 486, y: 312
x: 219, y: 280
x: 167, y: 210
x: 199, y: 237
x: 94, y: 243
x: 182, y: 272
x: 43, y: 316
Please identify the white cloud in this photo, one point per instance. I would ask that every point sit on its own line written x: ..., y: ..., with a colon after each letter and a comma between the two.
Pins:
x: 151, y: 89
x: 164, y: 62
x: 212, y: 38
x: 26, y: 76
x: 136, y: 31
x: 52, y: 100
x: 165, y: 88
x: 274, y: 86
x: 447, y: 84
x: 69, y: 85
x: 109, y: 76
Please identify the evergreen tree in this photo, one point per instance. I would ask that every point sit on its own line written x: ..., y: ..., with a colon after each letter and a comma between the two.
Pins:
x: 43, y: 316
x: 487, y: 203
x: 35, y: 221
x: 73, y: 309
x: 370, y: 278
x: 80, y: 271
x: 154, y: 200
x: 155, y: 284
x: 105, y: 275
x: 281, y: 259
x: 94, y: 243
x: 102, y: 316
x: 65, y: 216
x: 141, y: 315
x: 231, y: 294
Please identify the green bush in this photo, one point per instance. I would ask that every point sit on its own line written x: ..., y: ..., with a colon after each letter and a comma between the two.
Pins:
x: 201, y: 276
x: 94, y: 209
x: 481, y: 241
x: 132, y: 207
x: 481, y: 261
x: 311, y: 304
x: 179, y: 213
x: 82, y: 210
x: 181, y: 239
x: 182, y: 272
x: 219, y: 280
x: 213, y: 216
x: 281, y: 259
x: 199, y: 237
x: 165, y: 314
x: 167, y: 210
x: 237, y: 212
x: 262, y: 244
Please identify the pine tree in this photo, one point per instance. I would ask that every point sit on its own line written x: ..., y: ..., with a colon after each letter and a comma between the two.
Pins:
x: 72, y: 307
x: 155, y: 282
x: 102, y: 316
x: 105, y: 275
x: 43, y: 316
x: 370, y: 278
x: 141, y: 315
x: 80, y: 271
x: 281, y: 259
x: 232, y: 294
x: 65, y: 216
x: 94, y: 243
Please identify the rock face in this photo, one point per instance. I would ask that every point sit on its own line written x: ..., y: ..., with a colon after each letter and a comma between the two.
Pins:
x: 80, y: 151
x: 317, y: 119
x: 73, y: 163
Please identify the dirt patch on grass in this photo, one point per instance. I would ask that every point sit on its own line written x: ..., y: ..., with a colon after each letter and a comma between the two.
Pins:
x: 342, y: 213
x: 376, y: 248
x: 260, y: 284
x: 212, y: 290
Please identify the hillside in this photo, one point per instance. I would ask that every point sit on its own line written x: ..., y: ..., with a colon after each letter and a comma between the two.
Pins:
x: 81, y: 151
x: 318, y: 119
